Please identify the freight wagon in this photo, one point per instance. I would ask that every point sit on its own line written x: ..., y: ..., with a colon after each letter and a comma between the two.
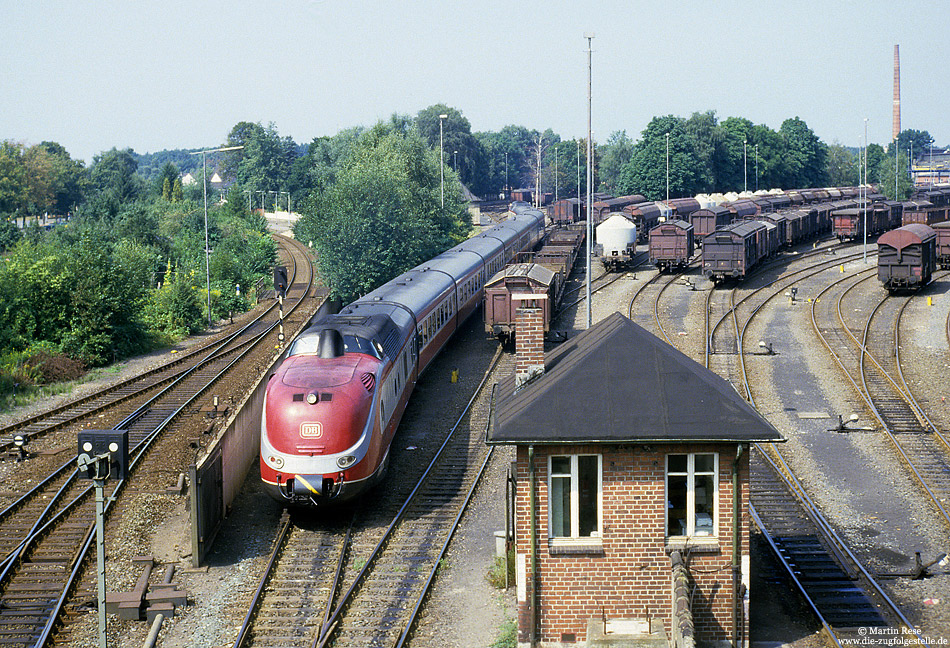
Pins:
x: 671, y: 245
x: 907, y: 257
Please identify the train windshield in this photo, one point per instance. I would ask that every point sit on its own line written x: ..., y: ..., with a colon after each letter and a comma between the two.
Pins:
x: 310, y: 344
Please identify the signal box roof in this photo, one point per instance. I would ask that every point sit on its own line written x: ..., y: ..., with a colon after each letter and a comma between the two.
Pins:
x: 617, y: 383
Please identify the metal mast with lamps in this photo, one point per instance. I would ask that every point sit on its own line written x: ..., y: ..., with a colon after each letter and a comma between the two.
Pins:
x: 667, y: 167
x: 204, y: 182
x: 442, y: 161
x: 590, y: 176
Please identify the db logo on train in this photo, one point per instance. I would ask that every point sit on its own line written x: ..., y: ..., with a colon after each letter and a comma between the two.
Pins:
x: 311, y: 430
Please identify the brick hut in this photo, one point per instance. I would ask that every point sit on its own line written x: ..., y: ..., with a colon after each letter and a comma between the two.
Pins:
x: 629, y: 454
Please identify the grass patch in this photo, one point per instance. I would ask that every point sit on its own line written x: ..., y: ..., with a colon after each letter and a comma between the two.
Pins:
x: 497, y: 572
x: 507, y: 635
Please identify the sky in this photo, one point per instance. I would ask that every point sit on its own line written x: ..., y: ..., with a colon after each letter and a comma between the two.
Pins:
x: 153, y: 75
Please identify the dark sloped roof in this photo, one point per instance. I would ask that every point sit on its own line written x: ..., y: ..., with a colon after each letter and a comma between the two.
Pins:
x: 617, y: 383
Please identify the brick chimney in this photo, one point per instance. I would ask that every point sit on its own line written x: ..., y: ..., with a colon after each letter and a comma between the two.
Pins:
x: 529, y: 340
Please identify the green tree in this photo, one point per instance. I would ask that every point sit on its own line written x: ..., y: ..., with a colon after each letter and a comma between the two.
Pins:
x: 886, y: 168
x: 385, y: 197
x: 463, y: 151
x: 841, y: 167
x: 165, y: 181
x: 805, y: 156
x: 614, y: 154
x: 768, y: 166
x: 69, y: 180
x: 735, y: 165
x: 918, y: 142
x: 706, y: 142
x: 13, y: 184
x: 875, y: 158
x: 264, y: 163
x: 113, y: 176
x: 645, y: 173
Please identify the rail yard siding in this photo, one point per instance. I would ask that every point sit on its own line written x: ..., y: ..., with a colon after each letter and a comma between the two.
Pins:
x: 631, y: 577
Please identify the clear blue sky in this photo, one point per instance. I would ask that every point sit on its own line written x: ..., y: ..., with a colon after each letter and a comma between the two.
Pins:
x: 155, y: 75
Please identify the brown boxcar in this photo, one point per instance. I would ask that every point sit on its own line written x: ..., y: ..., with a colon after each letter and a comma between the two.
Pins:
x: 646, y: 215
x: 513, y: 281
x: 601, y: 208
x: 682, y: 207
x: 943, y: 244
x: 706, y: 221
x: 567, y: 211
x: 907, y: 257
x: 671, y: 245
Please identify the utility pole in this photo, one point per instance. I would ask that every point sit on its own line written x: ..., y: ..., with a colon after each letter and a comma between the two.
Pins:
x: 590, y: 177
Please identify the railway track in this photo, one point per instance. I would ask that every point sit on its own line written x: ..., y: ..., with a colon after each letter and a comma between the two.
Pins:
x: 383, y: 571
x: 46, y: 531
x: 874, y: 373
x: 843, y: 595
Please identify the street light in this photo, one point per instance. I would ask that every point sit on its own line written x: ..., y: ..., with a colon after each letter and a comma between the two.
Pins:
x: 864, y: 186
x: 204, y: 183
x: 455, y: 163
x: 590, y: 176
x: 667, y: 167
x: 756, y: 167
x: 441, y: 161
x: 745, y: 167
x: 555, y: 173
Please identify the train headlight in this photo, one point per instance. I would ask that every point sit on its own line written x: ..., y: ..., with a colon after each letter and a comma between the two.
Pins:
x: 276, y: 462
x: 312, y: 398
x: 346, y: 461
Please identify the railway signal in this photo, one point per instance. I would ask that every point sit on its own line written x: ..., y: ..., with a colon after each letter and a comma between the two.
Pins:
x: 103, y: 455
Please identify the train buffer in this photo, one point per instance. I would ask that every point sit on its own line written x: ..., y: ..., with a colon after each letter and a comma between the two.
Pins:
x: 145, y: 601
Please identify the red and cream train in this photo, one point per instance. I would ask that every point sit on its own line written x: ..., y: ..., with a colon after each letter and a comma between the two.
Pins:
x: 334, y: 403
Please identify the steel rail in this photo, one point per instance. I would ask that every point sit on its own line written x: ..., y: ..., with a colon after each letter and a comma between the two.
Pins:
x: 874, y: 411
x: 332, y: 622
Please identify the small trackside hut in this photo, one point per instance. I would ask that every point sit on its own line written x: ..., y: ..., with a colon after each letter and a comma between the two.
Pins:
x: 631, y: 494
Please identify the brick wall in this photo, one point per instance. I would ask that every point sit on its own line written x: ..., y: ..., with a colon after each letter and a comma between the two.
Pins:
x: 529, y: 343
x: 631, y: 576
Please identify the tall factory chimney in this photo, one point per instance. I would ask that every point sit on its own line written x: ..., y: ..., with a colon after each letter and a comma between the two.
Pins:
x: 897, y: 92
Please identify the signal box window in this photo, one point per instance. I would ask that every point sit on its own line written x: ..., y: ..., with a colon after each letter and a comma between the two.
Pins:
x: 574, y: 505
x: 691, y: 494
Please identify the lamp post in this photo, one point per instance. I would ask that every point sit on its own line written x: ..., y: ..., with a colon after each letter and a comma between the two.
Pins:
x: 455, y: 161
x: 555, y: 173
x: 864, y: 189
x: 590, y: 176
x: 204, y: 183
x: 441, y: 161
x: 756, y: 167
x: 745, y: 166
x: 667, y: 167
x: 506, y: 175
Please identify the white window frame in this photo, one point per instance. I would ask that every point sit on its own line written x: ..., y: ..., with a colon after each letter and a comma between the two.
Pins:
x: 691, y: 495
x: 575, y: 539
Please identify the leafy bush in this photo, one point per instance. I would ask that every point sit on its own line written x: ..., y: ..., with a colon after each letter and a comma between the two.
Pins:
x: 496, y: 573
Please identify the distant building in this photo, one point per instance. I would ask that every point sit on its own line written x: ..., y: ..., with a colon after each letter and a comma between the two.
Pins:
x: 631, y: 519
x: 932, y: 169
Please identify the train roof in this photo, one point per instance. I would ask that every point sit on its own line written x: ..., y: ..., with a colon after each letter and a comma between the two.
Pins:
x: 913, y: 234
x: 579, y: 398
x: 414, y: 289
x: 534, y: 273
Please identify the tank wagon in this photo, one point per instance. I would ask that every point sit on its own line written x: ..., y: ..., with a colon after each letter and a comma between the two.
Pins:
x: 906, y: 257
x: 671, y: 245
x: 617, y: 236
x: 943, y: 244
x: 334, y: 402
